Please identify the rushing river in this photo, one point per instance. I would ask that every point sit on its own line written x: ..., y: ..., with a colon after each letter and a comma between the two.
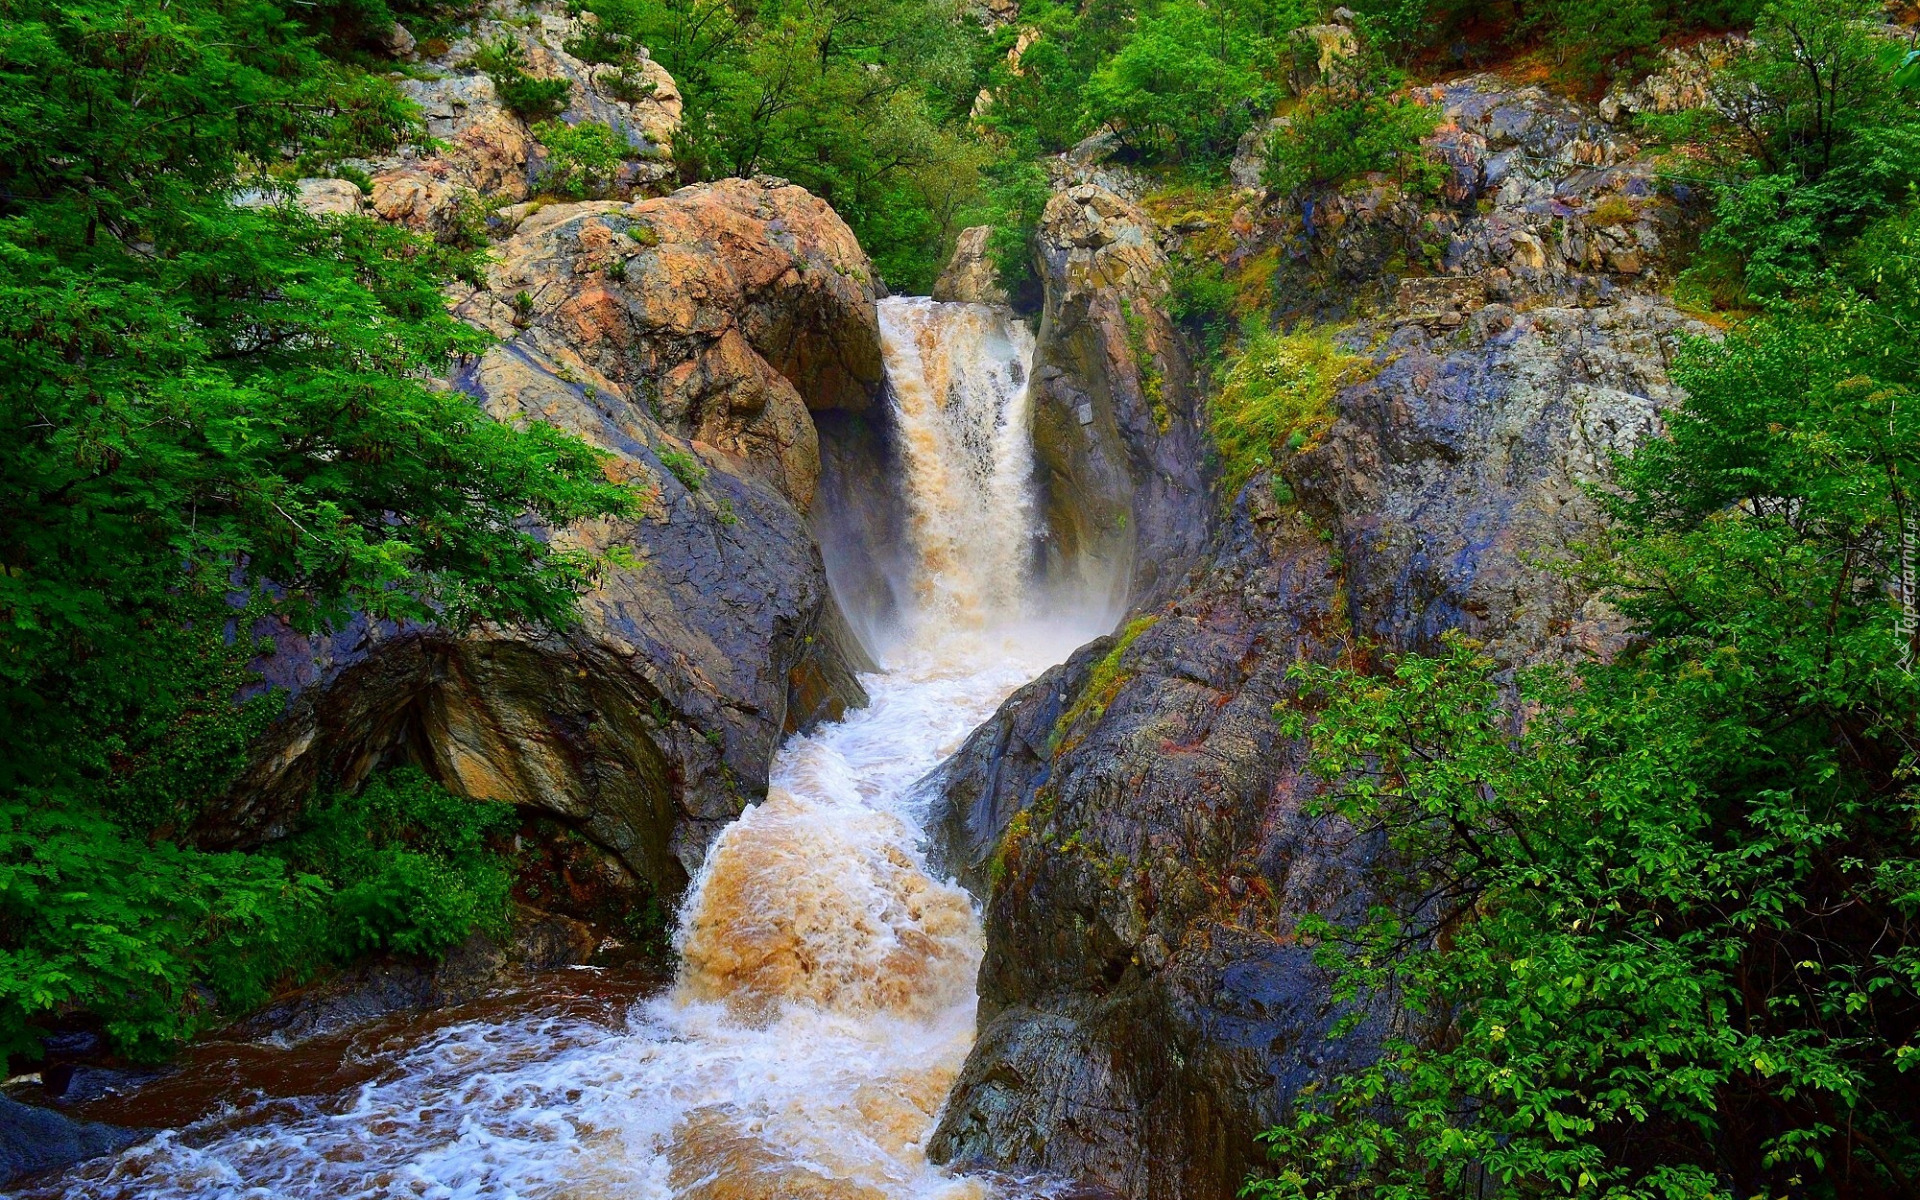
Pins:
x: 825, y: 999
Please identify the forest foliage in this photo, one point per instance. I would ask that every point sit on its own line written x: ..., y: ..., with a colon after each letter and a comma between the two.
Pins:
x: 217, y: 420
x: 1652, y: 922
x: 914, y: 120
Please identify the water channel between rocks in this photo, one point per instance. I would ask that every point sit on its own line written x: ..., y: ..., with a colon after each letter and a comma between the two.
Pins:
x: 826, y: 995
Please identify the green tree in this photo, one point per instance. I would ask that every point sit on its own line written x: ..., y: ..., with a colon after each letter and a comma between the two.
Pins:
x: 1660, y: 935
x: 859, y: 101
x: 1338, y: 135
x: 1187, y: 83
x: 216, y: 414
x: 1830, y: 144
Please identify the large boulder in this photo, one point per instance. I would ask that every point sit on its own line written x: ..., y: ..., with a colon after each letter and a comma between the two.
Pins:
x: 1117, y: 442
x: 35, y: 1139
x: 723, y: 313
x: 969, y: 276
x: 688, y: 336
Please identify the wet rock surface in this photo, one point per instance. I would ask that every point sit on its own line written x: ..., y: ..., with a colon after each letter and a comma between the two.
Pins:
x: 1134, y: 820
x: 479, y: 966
x: 1117, y: 442
x: 1144, y: 1010
x: 688, y: 336
x: 35, y: 1139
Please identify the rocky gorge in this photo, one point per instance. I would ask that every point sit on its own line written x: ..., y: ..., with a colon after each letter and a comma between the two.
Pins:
x: 1133, y: 820
x: 1132, y: 823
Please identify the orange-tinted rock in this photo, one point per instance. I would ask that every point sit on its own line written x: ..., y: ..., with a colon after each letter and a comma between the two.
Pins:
x: 691, y: 353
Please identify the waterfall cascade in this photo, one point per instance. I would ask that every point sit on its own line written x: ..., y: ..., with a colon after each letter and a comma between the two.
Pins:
x: 826, y: 994
x: 958, y: 379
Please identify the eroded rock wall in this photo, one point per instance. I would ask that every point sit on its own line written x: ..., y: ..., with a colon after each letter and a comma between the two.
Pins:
x: 1134, y: 820
x: 1117, y: 442
x: 693, y: 337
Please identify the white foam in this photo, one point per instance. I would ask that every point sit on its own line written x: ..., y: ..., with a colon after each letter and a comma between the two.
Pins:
x: 826, y: 999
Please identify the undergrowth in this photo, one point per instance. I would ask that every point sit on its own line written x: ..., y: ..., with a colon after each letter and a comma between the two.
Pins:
x: 1277, y: 399
x: 1103, y: 682
x: 410, y: 866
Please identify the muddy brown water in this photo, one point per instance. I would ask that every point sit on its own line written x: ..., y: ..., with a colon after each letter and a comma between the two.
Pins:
x: 825, y: 999
x: 248, y: 1081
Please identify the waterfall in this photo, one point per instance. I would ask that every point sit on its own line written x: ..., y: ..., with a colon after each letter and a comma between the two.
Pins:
x: 957, y: 379
x: 826, y: 994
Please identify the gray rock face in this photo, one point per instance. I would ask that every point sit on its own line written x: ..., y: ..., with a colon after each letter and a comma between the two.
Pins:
x: 1249, y: 163
x: 1683, y: 80
x: 1117, y: 438
x: 969, y: 276
x: 1456, y: 475
x: 692, y: 354
x: 1134, y: 819
x: 1542, y: 203
x: 1144, y: 1012
x: 34, y: 1139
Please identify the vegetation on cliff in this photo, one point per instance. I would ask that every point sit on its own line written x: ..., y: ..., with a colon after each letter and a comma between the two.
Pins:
x: 218, y: 419
x: 915, y: 117
x: 1659, y: 935
x: 1660, y: 939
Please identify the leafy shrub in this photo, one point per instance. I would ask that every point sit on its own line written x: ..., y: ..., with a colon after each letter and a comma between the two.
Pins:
x: 408, y: 865
x: 465, y: 230
x: 690, y: 471
x: 354, y: 175
x: 1335, y: 137
x: 1277, y: 398
x: 1831, y: 159
x: 1589, y: 39
x: 155, y: 938
x: 629, y: 85
x: 162, y: 940
x: 1202, y: 301
x: 860, y: 101
x: 581, y: 158
x: 530, y: 98
x: 597, y: 43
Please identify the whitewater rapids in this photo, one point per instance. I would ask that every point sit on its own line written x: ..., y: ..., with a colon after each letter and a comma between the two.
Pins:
x: 826, y: 995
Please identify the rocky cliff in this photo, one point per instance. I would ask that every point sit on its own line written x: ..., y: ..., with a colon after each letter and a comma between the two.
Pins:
x: 1116, y: 428
x: 694, y: 337
x: 1133, y: 820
